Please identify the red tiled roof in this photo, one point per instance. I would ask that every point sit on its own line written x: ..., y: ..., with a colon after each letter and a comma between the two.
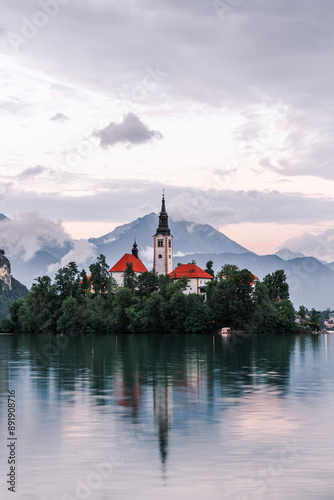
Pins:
x: 191, y: 271
x: 120, y: 266
x: 254, y: 278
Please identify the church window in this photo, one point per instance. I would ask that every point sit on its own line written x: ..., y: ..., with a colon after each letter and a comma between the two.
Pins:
x: 170, y: 243
x: 159, y: 256
x: 160, y: 243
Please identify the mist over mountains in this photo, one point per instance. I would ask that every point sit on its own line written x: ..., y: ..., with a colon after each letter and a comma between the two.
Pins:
x: 311, y: 281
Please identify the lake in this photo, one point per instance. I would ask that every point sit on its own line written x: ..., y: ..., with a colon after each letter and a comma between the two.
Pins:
x: 172, y: 417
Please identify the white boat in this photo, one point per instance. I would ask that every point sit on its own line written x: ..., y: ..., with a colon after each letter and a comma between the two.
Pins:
x: 226, y: 330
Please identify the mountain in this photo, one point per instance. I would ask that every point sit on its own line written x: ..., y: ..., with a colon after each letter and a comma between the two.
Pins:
x: 286, y: 254
x: 3, y: 217
x: 311, y: 283
x: 10, y: 288
x: 188, y: 238
x: 331, y: 266
x: 29, y: 270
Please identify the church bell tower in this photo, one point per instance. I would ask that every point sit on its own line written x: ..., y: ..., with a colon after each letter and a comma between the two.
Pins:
x: 163, y: 244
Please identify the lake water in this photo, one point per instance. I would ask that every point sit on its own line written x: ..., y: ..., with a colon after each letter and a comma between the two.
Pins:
x: 170, y: 417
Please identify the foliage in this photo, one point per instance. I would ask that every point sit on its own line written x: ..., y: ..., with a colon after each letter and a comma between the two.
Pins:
x: 79, y: 304
x: 277, y: 285
x: 209, y: 268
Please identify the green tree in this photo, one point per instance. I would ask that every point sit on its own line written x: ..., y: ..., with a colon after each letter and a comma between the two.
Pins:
x: 118, y: 320
x: 99, y: 275
x: 315, y: 320
x: 147, y: 283
x: 199, y: 316
x: 302, y: 312
x: 129, y: 277
x: 209, y: 268
x: 277, y: 285
x: 66, y: 280
x: 67, y: 321
x: 231, y: 300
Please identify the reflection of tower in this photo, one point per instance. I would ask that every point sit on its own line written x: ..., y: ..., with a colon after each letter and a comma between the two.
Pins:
x: 163, y: 413
x: 163, y: 244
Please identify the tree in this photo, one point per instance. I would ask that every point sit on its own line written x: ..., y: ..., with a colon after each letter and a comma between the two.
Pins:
x: 302, y: 312
x: 67, y: 322
x: 231, y: 299
x: 118, y: 319
x: 66, y: 279
x: 199, y: 316
x: 277, y: 285
x: 285, y: 319
x: 129, y: 277
x: 147, y: 283
x: 315, y: 320
x: 99, y: 275
x: 209, y: 268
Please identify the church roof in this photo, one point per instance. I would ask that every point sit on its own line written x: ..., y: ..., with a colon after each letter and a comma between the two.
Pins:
x: 191, y: 271
x: 120, y: 266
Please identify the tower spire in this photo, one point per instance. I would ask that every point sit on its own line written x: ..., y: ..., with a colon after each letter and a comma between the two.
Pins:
x: 163, y: 205
x: 163, y: 228
x: 135, y: 249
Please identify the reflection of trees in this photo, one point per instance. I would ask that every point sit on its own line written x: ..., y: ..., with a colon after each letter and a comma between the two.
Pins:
x: 179, y: 374
x: 5, y: 355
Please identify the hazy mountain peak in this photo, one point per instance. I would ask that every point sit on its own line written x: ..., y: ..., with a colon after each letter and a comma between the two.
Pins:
x: 189, y: 237
x: 287, y: 254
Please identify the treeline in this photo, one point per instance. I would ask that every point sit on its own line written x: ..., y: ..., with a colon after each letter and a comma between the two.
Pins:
x: 74, y: 303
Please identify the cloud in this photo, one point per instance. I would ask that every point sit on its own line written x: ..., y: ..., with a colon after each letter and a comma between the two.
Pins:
x: 59, y: 117
x: 28, y: 233
x: 127, y: 199
x: 13, y: 105
x: 130, y: 131
x: 146, y: 255
x: 32, y: 172
x: 82, y: 252
x: 320, y: 246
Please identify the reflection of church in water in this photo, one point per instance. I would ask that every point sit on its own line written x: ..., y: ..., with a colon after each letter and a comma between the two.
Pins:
x: 168, y: 389
x: 163, y: 412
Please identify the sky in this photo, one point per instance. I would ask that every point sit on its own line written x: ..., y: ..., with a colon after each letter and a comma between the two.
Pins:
x: 226, y: 105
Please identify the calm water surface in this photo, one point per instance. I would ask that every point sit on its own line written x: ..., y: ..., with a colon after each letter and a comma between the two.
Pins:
x: 191, y: 417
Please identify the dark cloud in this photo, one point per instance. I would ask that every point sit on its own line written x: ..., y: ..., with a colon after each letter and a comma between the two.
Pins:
x: 129, y: 199
x: 256, y: 54
x: 258, y: 49
x: 32, y: 172
x: 130, y: 131
x: 59, y: 117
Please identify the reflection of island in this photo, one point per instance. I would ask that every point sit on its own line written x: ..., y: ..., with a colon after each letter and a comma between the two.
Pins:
x: 164, y: 378
x: 4, y: 364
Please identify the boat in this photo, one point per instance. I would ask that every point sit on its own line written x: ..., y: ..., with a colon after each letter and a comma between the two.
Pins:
x: 226, y: 330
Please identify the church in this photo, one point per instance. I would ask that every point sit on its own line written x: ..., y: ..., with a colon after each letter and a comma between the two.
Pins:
x: 163, y: 259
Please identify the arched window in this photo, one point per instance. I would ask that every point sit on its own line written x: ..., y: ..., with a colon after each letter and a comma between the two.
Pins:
x: 159, y: 256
